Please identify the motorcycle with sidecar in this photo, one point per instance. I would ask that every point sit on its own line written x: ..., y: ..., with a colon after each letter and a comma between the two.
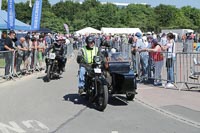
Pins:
x: 121, y: 79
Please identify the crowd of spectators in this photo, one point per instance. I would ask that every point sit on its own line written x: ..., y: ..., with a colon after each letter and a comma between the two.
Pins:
x: 150, y: 47
x: 26, y: 53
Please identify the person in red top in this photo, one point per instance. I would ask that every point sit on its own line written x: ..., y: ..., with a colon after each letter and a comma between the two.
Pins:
x: 157, y: 56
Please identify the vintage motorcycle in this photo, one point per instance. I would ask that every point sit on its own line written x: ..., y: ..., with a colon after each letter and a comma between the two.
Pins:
x: 95, y: 84
x: 52, y: 66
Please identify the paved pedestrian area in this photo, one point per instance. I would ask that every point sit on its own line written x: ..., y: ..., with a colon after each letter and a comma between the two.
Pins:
x: 183, y: 103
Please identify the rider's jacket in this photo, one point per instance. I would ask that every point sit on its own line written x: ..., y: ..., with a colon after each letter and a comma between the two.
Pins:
x: 88, y: 54
x: 58, y: 49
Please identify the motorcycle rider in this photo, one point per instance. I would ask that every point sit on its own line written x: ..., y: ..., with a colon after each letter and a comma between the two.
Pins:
x: 85, y: 59
x: 58, y: 49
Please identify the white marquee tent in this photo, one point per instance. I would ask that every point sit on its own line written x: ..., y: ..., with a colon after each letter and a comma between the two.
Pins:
x: 120, y: 30
x: 87, y: 30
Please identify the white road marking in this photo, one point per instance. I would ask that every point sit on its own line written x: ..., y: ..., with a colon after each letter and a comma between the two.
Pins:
x: 14, y: 127
x: 114, y: 132
x: 29, y: 125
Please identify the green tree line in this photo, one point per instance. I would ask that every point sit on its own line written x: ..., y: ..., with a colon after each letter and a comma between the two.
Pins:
x: 94, y: 14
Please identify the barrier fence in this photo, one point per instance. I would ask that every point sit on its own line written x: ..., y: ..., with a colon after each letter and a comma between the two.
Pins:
x: 185, y: 67
x: 14, y: 64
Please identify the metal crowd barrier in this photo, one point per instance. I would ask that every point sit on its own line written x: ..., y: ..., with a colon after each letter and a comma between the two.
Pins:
x: 15, y: 64
x: 6, y: 63
x: 24, y: 65
x: 187, y: 70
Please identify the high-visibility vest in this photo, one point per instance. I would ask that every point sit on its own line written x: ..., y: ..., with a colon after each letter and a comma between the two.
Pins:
x: 89, y: 54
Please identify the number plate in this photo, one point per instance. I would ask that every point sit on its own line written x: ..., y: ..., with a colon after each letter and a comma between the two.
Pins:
x: 97, y: 70
x: 52, y: 56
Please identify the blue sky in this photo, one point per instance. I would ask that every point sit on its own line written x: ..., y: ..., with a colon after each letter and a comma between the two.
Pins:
x: 177, y: 3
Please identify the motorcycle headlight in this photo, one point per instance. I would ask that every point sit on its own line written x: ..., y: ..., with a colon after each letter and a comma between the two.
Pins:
x: 97, y: 60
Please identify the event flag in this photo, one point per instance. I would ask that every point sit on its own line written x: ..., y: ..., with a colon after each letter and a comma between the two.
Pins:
x: 11, y: 14
x: 36, y: 15
x: 66, y: 28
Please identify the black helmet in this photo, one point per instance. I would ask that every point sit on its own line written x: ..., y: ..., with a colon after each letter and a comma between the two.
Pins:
x: 89, y: 39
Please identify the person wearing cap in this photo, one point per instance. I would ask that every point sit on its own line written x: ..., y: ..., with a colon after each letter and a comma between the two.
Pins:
x: 157, y: 57
x: 144, y: 56
x: 9, y: 47
x: 85, y: 59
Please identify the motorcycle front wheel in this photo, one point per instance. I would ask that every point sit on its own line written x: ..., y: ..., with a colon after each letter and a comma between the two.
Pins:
x: 102, y: 98
x: 48, y: 77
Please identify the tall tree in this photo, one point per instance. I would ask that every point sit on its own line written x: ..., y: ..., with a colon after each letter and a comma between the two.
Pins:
x: 23, y: 12
x: 165, y: 14
x: 4, y: 5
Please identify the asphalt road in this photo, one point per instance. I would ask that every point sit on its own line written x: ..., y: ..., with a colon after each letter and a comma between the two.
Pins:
x: 30, y: 105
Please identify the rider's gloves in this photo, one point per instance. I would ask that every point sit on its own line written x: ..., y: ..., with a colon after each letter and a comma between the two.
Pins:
x: 79, y: 59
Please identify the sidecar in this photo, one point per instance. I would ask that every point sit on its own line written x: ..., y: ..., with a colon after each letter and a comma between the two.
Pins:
x: 123, y: 79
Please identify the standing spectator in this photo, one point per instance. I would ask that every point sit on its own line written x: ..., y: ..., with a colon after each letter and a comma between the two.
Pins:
x: 48, y: 40
x: 20, y: 53
x: 163, y: 40
x: 189, y: 42
x: 133, y: 51
x: 33, y: 52
x: 170, y: 48
x: 144, y: 39
x: 40, y: 50
x: 157, y: 57
x: 27, y: 54
x: 150, y: 61
x: 185, y: 45
x: 144, y: 56
x: 154, y: 35
x: 9, y: 47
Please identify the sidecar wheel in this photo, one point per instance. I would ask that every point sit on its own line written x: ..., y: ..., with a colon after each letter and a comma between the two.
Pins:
x: 130, y: 96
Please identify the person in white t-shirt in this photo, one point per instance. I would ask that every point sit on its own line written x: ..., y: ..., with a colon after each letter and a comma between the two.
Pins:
x: 170, y: 49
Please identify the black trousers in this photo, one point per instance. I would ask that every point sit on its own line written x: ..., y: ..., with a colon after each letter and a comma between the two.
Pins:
x: 9, y: 62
